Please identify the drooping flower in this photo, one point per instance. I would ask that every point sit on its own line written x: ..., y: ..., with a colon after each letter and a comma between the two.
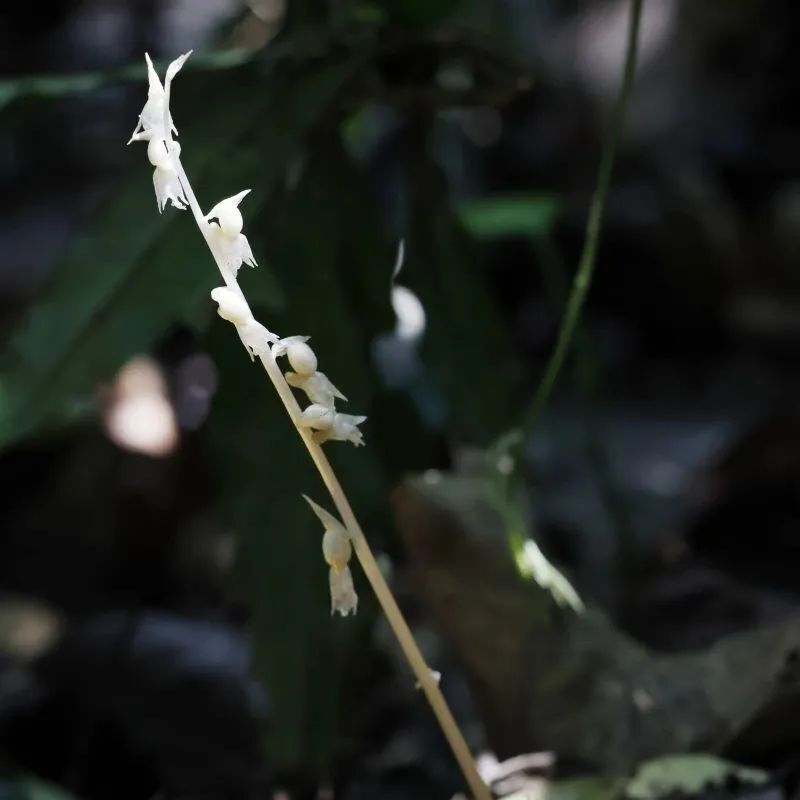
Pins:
x: 256, y: 338
x: 225, y: 233
x: 317, y: 386
x: 233, y: 308
x: 302, y: 358
x: 156, y: 127
x: 337, y: 551
x: 166, y: 182
x: 317, y: 417
x: 343, y: 594
x: 343, y: 429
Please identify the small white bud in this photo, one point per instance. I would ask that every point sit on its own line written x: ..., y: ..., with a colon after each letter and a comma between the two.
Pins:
x: 436, y: 677
x: 227, y: 213
x: 318, y: 417
x: 157, y: 152
x: 343, y: 594
x: 282, y: 345
x: 232, y: 306
x: 302, y: 358
x: 230, y: 221
x: 336, y: 548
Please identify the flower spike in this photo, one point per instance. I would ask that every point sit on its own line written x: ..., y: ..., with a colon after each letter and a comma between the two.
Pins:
x: 222, y: 231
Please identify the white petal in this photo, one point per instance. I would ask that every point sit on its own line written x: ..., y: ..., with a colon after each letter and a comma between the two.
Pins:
x: 256, y: 338
x: 323, y: 386
x: 172, y: 71
x: 168, y: 188
x: 317, y: 417
x: 154, y: 87
x: 227, y: 202
x: 151, y: 119
x: 345, y: 429
x: 329, y: 522
x: 245, y: 253
x: 316, y: 386
x: 175, y: 66
x: 232, y: 251
x: 343, y: 594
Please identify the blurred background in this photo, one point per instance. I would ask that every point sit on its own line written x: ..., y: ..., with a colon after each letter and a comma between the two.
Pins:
x: 619, y: 585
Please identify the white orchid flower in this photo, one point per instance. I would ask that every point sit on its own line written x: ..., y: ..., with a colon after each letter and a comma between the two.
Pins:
x: 225, y: 231
x: 317, y: 417
x: 155, y: 120
x: 343, y: 594
x: 300, y: 355
x: 317, y: 386
x: 233, y: 308
x: 156, y: 127
x: 337, y: 550
x: 343, y: 429
x: 166, y: 182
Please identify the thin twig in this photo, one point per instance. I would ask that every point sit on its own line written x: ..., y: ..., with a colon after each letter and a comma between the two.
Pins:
x: 583, y: 276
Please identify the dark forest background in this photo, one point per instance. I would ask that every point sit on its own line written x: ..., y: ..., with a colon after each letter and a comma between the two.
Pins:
x: 164, y: 611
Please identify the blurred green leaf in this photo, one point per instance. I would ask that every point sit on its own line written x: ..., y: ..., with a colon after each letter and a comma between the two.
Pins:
x: 137, y: 272
x: 31, y: 789
x: 596, y: 787
x: 464, y: 335
x: 688, y: 775
x: 417, y: 13
x: 509, y: 215
x: 49, y: 86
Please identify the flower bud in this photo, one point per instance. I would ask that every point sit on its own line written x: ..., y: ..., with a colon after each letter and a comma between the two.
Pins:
x: 302, y: 358
x: 227, y: 214
x: 281, y: 346
x: 230, y: 221
x: 336, y: 548
x: 318, y: 417
x: 232, y: 306
x: 157, y: 152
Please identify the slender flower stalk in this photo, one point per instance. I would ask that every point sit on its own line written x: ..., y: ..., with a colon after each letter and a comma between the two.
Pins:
x: 583, y: 276
x: 224, y: 239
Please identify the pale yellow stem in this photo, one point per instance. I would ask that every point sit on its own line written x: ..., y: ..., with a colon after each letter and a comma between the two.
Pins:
x: 362, y: 549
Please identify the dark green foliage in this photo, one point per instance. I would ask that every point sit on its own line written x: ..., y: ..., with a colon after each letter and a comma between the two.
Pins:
x: 273, y: 124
